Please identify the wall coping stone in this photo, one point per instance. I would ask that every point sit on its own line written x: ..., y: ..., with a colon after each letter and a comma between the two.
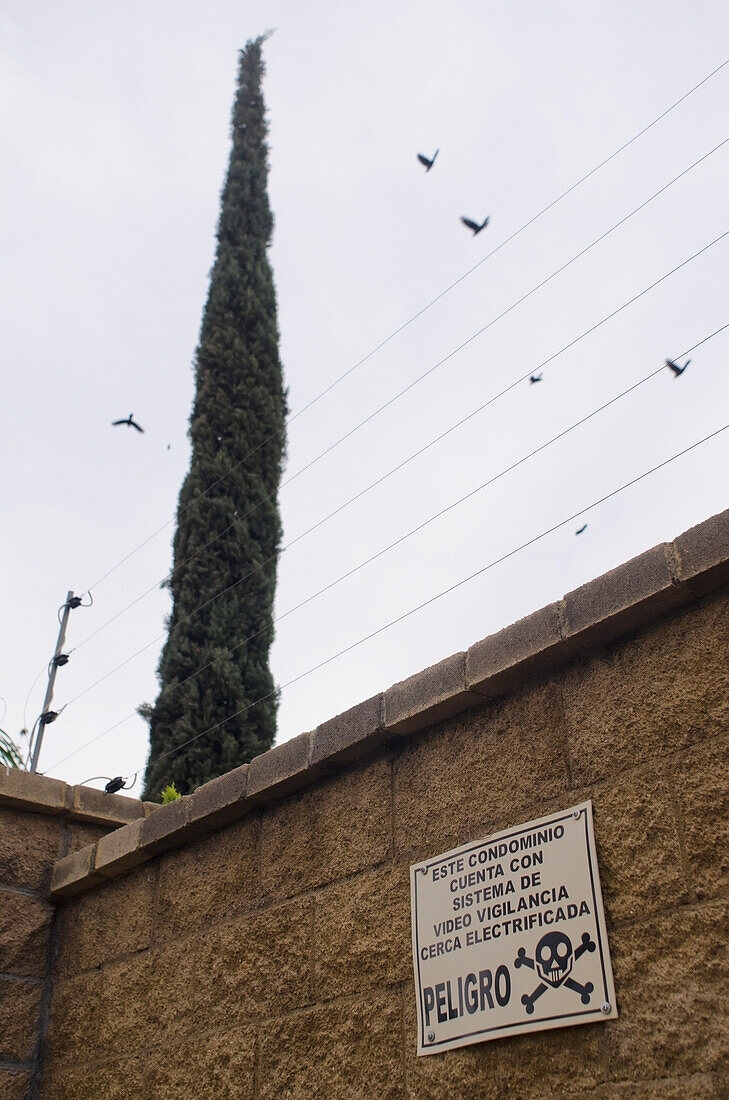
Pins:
x: 281, y: 770
x: 75, y: 873
x: 621, y: 601
x: 39, y: 794
x: 119, y: 851
x: 430, y: 696
x: 220, y: 801
x: 350, y: 735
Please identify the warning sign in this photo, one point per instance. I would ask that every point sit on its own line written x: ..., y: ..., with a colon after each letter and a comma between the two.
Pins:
x: 509, y: 935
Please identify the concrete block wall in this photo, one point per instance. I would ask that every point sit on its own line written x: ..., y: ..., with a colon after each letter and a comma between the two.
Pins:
x: 41, y: 820
x: 253, y: 939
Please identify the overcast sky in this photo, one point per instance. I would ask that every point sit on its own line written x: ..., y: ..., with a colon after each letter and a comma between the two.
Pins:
x: 115, y: 134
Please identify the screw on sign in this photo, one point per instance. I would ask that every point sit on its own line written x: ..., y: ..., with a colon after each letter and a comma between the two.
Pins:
x: 554, y: 961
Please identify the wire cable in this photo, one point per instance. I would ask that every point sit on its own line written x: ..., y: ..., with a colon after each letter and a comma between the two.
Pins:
x: 425, y: 308
x: 30, y: 692
x: 425, y: 523
x: 558, y: 271
x: 413, y: 610
x: 383, y: 477
x: 498, y: 248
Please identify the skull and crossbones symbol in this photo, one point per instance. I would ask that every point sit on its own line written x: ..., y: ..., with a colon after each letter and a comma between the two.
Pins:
x: 553, y: 963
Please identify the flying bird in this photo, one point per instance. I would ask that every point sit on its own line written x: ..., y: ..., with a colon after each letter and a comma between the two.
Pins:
x: 581, y: 529
x: 130, y: 422
x: 428, y: 162
x: 474, y: 225
x: 535, y: 378
x: 676, y: 368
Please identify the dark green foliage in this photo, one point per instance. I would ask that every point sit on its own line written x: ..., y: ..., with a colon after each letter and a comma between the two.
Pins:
x: 238, y: 417
x: 10, y: 753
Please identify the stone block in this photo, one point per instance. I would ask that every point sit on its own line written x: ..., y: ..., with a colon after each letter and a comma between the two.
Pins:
x: 220, y: 801
x: 168, y: 827
x: 699, y: 1086
x: 527, y: 648
x: 671, y: 977
x: 702, y: 555
x: 32, y: 792
x: 701, y: 783
x: 125, y: 1006
x: 118, y: 1079
x: 494, y: 762
x: 90, y: 805
x: 638, y: 845
x: 176, y: 990
x: 73, y: 1031
x: 429, y: 697
x: 252, y: 967
x: 331, y: 830
x: 265, y: 961
x: 119, y: 851
x: 362, y: 934
x: 353, y: 1051
x: 14, y: 1084
x: 216, y: 1064
x: 82, y: 836
x: 621, y: 601
x: 567, y: 1062
x: 350, y: 736
x: 215, y: 876
x: 24, y: 928
x: 19, y: 1011
x: 666, y: 690
x: 29, y: 845
x: 281, y: 770
x: 111, y: 921
x: 75, y: 874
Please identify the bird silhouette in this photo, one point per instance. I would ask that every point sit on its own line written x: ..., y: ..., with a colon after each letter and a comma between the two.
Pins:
x: 535, y: 378
x: 677, y: 370
x: 130, y: 422
x: 474, y: 225
x: 428, y: 162
x: 581, y: 529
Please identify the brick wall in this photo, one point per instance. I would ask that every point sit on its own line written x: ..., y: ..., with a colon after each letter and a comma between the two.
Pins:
x: 41, y: 821
x: 253, y: 939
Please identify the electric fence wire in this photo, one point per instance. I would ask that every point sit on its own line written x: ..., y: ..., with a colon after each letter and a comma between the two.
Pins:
x: 406, y: 324
x: 425, y: 523
x: 416, y: 454
x: 411, y: 385
x: 413, y: 610
x: 171, y: 688
x: 44, y: 668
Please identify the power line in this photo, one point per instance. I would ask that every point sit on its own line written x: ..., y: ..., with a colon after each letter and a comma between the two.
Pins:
x: 390, y: 472
x: 558, y: 271
x: 418, y: 607
x: 506, y: 241
x: 438, y: 515
x: 425, y: 523
x: 425, y: 308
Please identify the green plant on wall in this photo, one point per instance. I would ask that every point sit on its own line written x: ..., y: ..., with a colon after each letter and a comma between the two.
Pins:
x: 170, y: 793
x: 10, y: 752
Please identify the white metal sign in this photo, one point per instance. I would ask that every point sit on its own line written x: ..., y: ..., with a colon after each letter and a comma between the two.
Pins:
x: 509, y: 935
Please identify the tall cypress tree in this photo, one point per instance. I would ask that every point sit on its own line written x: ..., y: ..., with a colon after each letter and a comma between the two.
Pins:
x: 228, y: 524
